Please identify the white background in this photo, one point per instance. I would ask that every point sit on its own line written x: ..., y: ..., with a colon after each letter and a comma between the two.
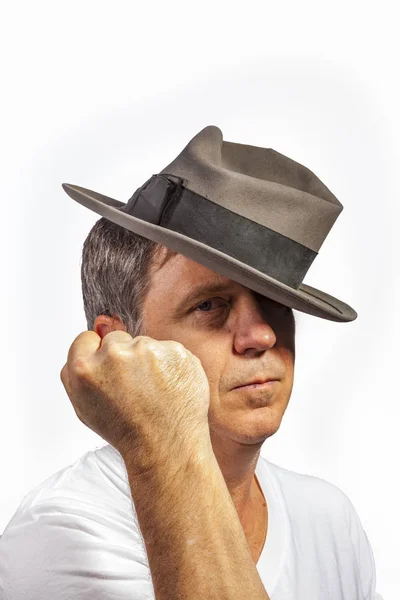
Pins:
x: 103, y: 95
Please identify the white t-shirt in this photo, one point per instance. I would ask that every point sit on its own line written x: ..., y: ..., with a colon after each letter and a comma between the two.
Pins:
x: 76, y: 537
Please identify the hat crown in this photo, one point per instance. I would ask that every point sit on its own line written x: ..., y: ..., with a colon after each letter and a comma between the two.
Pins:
x: 260, y: 184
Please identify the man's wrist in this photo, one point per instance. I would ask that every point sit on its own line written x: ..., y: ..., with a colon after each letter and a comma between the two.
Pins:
x: 146, y: 463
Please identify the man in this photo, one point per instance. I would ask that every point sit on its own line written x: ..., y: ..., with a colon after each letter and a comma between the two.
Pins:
x: 186, y: 369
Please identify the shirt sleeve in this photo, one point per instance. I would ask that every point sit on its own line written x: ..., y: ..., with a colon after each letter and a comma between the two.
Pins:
x: 66, y: 549
x: 364, y: 554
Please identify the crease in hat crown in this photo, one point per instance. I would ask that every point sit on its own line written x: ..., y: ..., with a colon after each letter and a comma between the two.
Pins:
x: 260, y: 184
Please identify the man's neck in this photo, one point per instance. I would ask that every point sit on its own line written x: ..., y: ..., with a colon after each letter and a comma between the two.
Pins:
x: 238, y: 470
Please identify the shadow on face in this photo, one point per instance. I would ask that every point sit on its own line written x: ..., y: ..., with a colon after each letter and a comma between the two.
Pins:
x: 238, y: 335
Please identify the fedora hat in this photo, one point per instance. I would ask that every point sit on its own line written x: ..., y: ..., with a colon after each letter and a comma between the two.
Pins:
x: 248, y: 213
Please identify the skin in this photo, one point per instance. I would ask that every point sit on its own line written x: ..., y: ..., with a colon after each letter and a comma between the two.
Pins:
x: 238, y: 335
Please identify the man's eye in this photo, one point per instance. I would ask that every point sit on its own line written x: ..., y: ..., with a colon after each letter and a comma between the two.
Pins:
x: 208, y: 303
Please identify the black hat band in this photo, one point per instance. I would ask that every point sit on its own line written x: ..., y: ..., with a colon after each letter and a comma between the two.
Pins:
x: 164, y: 201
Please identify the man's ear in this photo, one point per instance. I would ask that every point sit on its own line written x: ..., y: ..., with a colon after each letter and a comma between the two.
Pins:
x: 104, y: 324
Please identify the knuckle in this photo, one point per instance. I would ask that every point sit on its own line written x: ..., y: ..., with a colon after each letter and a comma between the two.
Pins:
x: 143, y: 339
x: 117, y: 352
x: 81, y: 369
x: 117, y: 335
x: 79, y: 365
x: 146, y: 343
x: 177, y: 346
x: 113, y: 349
x: 114, y: 340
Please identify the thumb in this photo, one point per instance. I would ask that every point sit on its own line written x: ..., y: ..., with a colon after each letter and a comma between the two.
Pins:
x: 83, y: 347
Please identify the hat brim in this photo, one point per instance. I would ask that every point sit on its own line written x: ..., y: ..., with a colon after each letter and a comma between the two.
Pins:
x: 306, y: 299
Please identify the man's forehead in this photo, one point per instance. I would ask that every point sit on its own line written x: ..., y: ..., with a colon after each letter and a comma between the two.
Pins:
x: 191, y: 279
x: 210, y: 284
x: 187, y: 272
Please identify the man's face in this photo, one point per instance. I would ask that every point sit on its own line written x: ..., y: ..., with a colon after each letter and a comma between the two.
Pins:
x: 237, y: 334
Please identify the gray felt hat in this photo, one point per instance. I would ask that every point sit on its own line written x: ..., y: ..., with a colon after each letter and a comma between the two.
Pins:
x: 248, y: 213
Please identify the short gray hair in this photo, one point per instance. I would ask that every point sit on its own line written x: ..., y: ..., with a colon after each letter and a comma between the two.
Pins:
x: 116, y: 272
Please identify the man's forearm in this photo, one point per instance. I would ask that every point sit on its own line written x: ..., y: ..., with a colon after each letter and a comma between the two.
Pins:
x: 196, y: 547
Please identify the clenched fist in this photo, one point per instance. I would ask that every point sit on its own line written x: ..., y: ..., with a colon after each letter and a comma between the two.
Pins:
x: 143, y: 396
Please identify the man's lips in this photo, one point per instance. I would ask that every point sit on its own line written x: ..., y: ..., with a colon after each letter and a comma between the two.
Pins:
x: 267, y: 384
